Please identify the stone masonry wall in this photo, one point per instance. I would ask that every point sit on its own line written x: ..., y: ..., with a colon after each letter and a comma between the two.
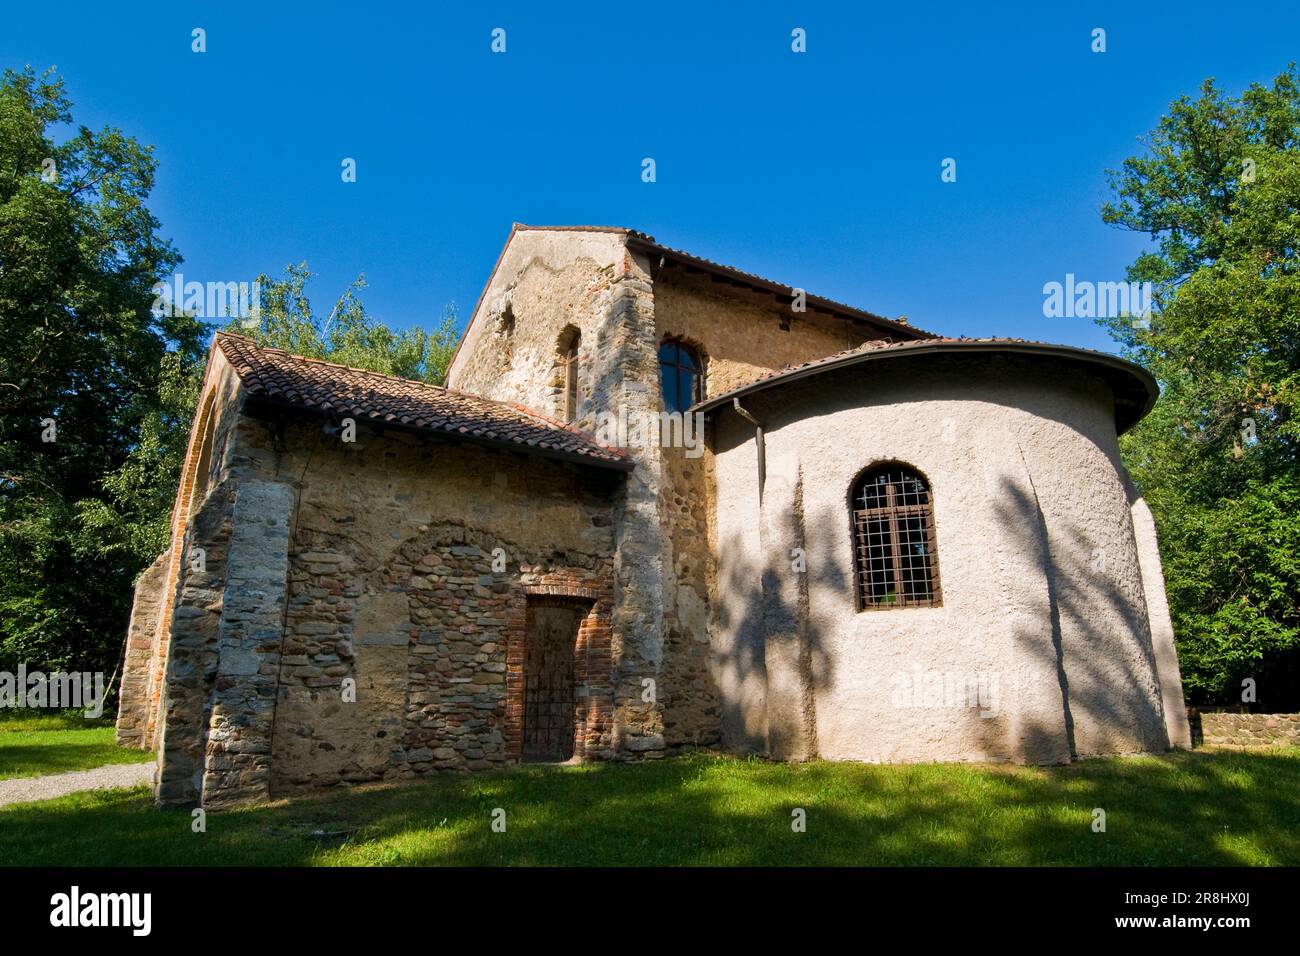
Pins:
x: 434, y: 642
x: 146, y: 615
x: 192, y: 647
x: 688, y: 689
x: 237, y: 754
x: 142, y: 700
x: 741, y: 336
x: 410, y: 564
x: 547, y: 284
x: 1245, y: 730
x: 626, y: 381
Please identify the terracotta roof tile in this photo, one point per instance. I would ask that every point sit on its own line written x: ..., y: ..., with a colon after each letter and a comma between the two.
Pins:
x: 326, y: 387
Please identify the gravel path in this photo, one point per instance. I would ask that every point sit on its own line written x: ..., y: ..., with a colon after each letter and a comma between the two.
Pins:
x: 57, y: 785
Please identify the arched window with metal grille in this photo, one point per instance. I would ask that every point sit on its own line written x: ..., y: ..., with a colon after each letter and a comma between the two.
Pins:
x: 896, y: 561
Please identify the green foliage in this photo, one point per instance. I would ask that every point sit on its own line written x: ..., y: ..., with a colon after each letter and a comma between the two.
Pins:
x: 349, y: 335
x: 1219, y: 192
x: 79, y: 255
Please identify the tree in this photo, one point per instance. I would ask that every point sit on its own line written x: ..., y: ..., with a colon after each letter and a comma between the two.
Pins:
x: 348, y: 335
x: 95, y: 390
x: 1218, y: 190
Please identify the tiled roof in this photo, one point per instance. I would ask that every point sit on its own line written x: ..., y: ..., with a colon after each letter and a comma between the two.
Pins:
x: 648, y: 242
x: 739, y: 276
x: 643, y: 242
x: 315, y: 385
x: 1134, y: 388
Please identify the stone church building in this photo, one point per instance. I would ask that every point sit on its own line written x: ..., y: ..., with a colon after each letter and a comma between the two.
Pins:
x: 845, y: 538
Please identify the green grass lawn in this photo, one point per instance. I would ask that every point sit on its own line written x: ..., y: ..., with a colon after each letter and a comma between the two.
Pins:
x: 33, y: 744
x: 1179, y: 809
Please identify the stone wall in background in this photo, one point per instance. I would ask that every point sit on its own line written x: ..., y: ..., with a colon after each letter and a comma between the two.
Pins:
x: 146, y: 613
x: 1219, y: 729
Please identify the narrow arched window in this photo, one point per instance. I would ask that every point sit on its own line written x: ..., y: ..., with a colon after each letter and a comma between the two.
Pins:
x: 203, y: 469
x: 896, y: 563
x: 570, y: 361
x: 682, y: 374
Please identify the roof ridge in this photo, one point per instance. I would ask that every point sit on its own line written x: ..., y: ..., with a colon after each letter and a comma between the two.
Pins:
x: 348, y: 368
x: 650, y: 240
x: 625, y: 230
x: 399, y: 378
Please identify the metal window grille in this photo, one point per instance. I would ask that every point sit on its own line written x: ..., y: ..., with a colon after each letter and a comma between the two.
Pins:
x: 895, y: 553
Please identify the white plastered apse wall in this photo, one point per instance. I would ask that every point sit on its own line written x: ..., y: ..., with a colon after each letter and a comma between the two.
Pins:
x: 1044, y: 608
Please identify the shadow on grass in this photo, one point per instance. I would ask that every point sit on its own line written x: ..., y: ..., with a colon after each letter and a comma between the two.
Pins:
x: 41, y: 752
x: 26, y: 719
x: 1180, y: 809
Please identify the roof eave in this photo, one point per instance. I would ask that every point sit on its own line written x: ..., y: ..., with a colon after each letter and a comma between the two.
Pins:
x: 623, y: 465
x: 928, y: 347
x: 645, y: 244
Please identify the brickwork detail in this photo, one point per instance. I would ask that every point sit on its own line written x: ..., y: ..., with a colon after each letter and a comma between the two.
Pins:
x: 593, y: 661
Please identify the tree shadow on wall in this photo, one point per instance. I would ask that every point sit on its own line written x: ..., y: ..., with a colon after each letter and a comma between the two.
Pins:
x: 1096, y: 645
x: 1082, y: 662
x: 778, y: 657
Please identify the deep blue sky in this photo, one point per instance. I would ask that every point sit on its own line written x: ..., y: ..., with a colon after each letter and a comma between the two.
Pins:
x: 821, y: 170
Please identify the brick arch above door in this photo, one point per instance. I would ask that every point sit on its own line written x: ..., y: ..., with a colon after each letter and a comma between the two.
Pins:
x: 593, y: 654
